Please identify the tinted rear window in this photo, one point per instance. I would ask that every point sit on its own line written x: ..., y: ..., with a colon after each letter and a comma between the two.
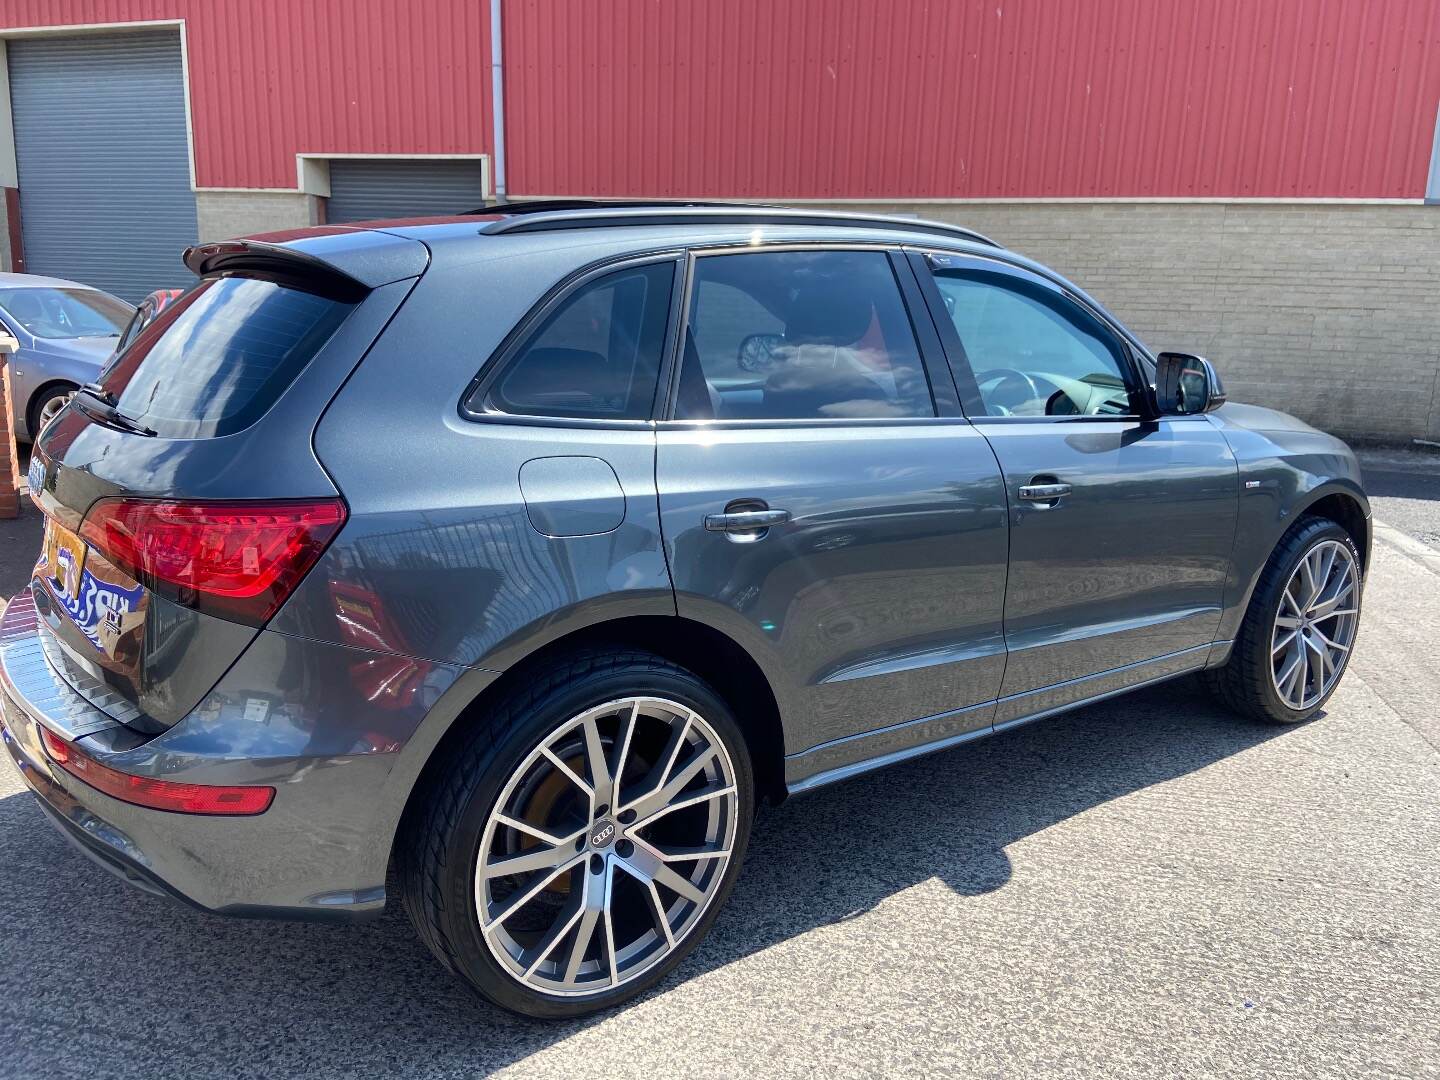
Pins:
x: 217, y: 358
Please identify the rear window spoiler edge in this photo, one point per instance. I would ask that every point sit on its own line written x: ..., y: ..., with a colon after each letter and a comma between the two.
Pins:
x: 299, y: 267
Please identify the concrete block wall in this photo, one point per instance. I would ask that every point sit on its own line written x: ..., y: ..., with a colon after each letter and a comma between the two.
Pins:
x: 1328, y: 311
x: 225, y: 214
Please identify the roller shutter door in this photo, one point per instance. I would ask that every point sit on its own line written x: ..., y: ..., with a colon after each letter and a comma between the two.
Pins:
x: 364, y: 189
x: 104, y: 160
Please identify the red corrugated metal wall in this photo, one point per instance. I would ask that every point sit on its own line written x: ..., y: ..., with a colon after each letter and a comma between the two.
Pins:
x: 822, y: 98
x: 971, y: 98
x: 273, y: 78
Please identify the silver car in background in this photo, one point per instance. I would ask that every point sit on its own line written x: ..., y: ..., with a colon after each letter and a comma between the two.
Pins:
x: 67, y: 331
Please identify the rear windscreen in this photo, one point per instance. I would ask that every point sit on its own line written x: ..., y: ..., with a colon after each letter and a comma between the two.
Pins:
x: 218, y: 357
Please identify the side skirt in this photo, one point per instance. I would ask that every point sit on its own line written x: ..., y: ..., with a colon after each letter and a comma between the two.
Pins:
x: 841, y: 759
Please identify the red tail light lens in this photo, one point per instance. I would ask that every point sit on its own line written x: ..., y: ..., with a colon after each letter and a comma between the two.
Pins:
x: 236, y: 560
x: 156, y: 794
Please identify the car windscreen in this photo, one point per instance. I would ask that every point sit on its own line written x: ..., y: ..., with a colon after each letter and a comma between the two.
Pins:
x: 65, y: 313
x: 217, y: 358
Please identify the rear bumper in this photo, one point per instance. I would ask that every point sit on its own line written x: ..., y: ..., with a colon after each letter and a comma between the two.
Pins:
x: 319, y: 852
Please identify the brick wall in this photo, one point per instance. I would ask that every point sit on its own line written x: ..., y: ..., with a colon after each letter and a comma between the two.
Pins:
x: 1330, y: 312
x: 9, y: 461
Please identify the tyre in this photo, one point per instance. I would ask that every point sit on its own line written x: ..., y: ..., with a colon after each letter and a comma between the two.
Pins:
x: 584, y: 837
x: 48, y: 401
x: 1299, y: 630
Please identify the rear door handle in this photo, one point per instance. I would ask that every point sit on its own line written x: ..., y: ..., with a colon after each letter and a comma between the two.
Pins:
x: 1044, y: 493
x: 746, y: 521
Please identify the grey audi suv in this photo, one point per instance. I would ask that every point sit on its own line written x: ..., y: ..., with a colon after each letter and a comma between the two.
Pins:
x: 515, y: 557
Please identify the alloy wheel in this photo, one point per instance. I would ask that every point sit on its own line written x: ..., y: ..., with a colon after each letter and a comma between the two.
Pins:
x: 50, y: 409
x: 1314, y: 628
x: 606, y: 846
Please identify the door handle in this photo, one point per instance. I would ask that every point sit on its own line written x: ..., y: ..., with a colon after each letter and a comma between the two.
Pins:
x: 1046, y: 494
x: 745, y: 525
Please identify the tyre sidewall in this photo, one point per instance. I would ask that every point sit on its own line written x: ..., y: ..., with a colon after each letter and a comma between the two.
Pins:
x: 462, y: 929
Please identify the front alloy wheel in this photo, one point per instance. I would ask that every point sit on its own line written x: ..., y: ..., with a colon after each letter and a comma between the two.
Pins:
x: 48, y: 408
x: 1299, y: 630
x: 1315, y: 625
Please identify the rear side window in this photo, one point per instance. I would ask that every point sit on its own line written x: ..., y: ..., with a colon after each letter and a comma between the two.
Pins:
x: 596, y: 356
x: 218, y: 357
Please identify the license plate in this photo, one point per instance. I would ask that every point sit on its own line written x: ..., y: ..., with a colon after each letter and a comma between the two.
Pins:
x: 106, y: 604
x: 62, y: 562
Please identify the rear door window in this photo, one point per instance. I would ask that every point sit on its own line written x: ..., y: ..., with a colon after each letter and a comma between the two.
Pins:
x: 799, y: 335
x: 218, y: 357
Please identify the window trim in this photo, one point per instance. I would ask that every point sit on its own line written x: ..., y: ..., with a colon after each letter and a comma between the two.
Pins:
x: 932, y: 359
x: 498, y: 361
x: 1136, y: 382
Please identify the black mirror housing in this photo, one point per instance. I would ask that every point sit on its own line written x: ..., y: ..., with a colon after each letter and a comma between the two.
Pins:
x: 1186, y: 384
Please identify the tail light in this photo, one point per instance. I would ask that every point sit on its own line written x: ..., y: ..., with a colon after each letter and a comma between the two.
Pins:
x: 156, y: 794
x: 238, y: 560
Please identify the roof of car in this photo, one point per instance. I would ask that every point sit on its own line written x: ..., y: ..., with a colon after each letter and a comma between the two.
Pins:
x: 37, y: 281
x: 373, y: 253
x: 666, y: 222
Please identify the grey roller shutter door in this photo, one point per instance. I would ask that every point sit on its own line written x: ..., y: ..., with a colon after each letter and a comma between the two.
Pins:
x: 104, y: 159
x: 361, y: 190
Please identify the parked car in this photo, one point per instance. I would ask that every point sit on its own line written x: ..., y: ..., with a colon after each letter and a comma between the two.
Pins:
x: 66, y: 333
x: 145, y: 313
x: 526, y: 553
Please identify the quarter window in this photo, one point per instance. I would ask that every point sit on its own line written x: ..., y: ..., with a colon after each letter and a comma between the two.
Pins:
x: 1033, y: 351
x: 798, y: 335
x: 597, y: 356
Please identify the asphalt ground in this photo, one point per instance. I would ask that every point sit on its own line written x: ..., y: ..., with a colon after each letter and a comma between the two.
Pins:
x: 1146, y: 887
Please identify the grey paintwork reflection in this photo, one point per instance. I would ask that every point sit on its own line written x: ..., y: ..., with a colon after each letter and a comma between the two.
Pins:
x: 185, y: 652
x: 442, y: 532
x: 572, y: 496
x: 1294, y: 466
x: 893, y: 563
x: 1132, y: 563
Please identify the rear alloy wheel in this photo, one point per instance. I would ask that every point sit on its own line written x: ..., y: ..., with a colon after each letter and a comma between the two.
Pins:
x: 589, y: 872
x: 582, y: 842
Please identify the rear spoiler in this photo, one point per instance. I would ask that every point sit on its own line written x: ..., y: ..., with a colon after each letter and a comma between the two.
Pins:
x: 347, y: 263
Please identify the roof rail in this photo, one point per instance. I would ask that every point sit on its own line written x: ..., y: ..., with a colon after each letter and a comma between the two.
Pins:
x: 544, y: 206
x: 578, y: 214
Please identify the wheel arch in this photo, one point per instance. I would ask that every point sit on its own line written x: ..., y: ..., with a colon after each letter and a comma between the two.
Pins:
x: 1344, y: 508
x: 709, y: 653
x: 1339, y: 500
x: 32, y: 405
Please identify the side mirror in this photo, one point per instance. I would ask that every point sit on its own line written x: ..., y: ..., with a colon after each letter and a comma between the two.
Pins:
x: 8, y: 345
x: 1186, y: 384
x: 757, y: 352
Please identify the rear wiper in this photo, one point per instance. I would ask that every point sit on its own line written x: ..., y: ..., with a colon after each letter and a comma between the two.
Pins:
x: 105, y: 411
x: 95, y: 390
